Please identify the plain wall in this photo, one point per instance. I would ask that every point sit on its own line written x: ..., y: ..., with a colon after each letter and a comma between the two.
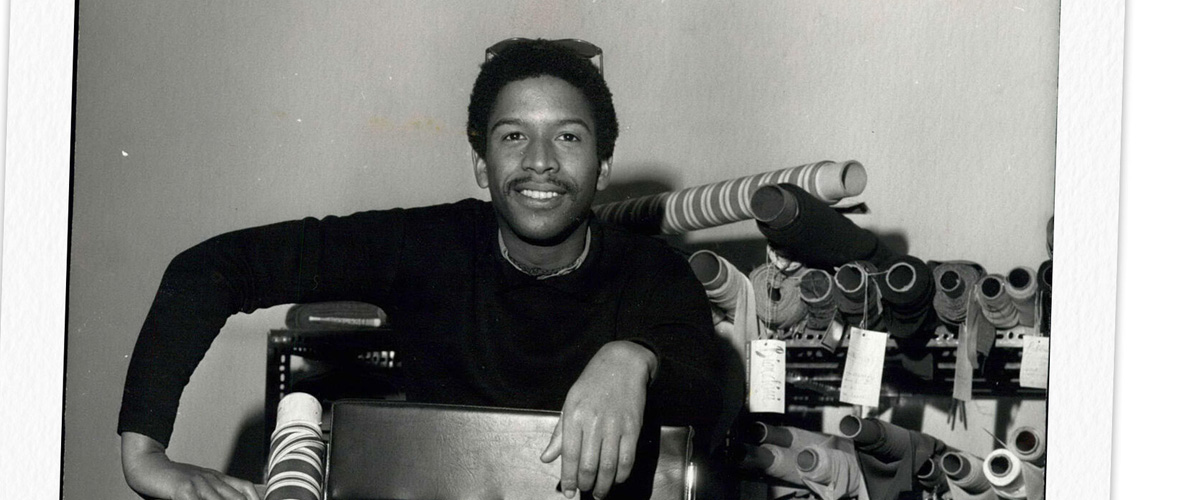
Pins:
x: 195, y: 118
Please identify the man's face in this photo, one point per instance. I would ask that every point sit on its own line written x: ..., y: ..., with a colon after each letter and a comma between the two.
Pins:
x: 541, y: 165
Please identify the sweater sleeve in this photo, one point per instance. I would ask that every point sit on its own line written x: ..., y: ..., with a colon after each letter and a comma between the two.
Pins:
x: 699, y: 381
x: 310, y: 260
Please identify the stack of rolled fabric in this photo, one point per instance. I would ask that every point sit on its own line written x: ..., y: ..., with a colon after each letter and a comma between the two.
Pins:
x: 889, y: 455
x: 857, y: 295
x: 1021, y: 287
x: 777, y: 296
x: 803, y: 228
x: 932, y: 478
x: 954, y: 281
x: 966, y: 478
x: 1013, y: 478
x: 720, y: 203
x: 296, y: 462
x: 823, y: 464
x: 831, y: 474
x: 996, y: 305
x: 1043, y: 278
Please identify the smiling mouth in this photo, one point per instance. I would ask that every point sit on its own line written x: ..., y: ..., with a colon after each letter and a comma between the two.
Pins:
x: 539, y: 195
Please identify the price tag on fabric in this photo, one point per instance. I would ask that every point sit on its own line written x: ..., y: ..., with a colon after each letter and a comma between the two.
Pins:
x: 768, y: 374
x: 1035, y: 362
x: 863, y: 376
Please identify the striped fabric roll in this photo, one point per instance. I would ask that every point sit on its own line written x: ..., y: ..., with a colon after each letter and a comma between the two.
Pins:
x: 725, y: 202
x: 296, y: 463
x: 721, y: 280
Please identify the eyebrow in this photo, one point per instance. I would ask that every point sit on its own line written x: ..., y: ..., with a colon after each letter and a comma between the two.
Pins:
x: 519, y: 122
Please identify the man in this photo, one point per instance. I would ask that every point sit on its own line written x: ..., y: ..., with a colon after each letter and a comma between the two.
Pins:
x: 524, y: 302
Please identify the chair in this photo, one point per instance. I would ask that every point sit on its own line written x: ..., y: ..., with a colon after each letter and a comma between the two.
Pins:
x: 393, y: 450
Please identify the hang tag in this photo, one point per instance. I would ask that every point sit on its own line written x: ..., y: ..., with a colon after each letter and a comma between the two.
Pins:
x: 863, y: 376
x: 833, y: 335
x: 768, y: 373
x: 1035, y: 362
x: 963, y: 371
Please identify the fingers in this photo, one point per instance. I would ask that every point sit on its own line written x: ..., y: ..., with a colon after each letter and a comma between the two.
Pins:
x: 609, y: 452
x: 571, y: 443
x: 627, y: 451
x: 554, y: 448
x: 589, y: 457
x: 211, y: 485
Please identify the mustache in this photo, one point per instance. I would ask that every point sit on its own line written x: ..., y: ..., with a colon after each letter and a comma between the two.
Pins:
x: 565, y: 185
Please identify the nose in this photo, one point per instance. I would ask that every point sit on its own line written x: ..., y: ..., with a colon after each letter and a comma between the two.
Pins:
x: 540, y: 156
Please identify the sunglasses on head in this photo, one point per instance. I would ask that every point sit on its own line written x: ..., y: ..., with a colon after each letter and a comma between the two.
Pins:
x: 580, y: 48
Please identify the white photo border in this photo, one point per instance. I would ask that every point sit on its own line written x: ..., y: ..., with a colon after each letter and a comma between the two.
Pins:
x: 37, y: 190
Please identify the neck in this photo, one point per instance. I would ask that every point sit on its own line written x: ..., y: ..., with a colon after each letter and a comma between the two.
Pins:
x: 549, y: 258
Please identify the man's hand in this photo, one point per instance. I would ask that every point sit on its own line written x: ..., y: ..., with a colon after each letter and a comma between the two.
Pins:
x: 151, y: 474
x: 596, y: 437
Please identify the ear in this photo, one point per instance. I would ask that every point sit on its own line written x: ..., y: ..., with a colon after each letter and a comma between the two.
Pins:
x: 602, y: 178
x: 481, y: 177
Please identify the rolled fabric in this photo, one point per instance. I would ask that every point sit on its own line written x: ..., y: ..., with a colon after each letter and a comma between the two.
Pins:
x: 931, y: 477
x: 338, y: 315
x: 830, y: 473
x: 1013, y: 479
x: 954, y: 281
x: 889, y: 455
x: 966, y: 478
x: 296, y: 461
x: 724, y: 202
x: 1021, y: 286
x: 730, y: 291
x: 907, y: 290
x: 813, y: 233
x: 857, y: 295
x: 777, y: 296
x: 1044, y: 275
x: 997, y: 307
x: 816, y: 290
x: 1029, y: 444
x: 784, y: 436
x: 778, y: 462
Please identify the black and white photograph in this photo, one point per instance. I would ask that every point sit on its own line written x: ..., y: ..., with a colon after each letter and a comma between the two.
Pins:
x: 544, y: 249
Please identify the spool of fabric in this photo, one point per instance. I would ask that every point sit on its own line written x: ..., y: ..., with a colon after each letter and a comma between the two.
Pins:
x: 954, y: 280
x: 1021, y: 287
x: 965, y: 477
x: 816, y: 290
x: 889, y: 455
x: 831, y: 474
x: 907, y: 291
x: 857, y: 295
x: 1044, y: 275
x: 1029, y: 444
x: 784, y: 436
x: 713, y: 205
x: 777, y: 296
x: 811, y: 232
x: 997, y: 307
x: 778, y: 462
x: 296, y: 462
x: 731, y: 292
x: 931, y: 477
x: 1012, y: 478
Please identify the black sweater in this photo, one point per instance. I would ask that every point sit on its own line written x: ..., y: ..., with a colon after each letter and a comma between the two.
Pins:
x: 483, y: 333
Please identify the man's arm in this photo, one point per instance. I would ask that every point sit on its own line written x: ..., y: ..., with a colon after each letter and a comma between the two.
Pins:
x: 337, y: 258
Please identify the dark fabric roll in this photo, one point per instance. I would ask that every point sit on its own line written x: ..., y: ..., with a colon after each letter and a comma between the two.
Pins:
x: 889, y: 455
x: 1043, y: 277
x: 857, y: 295
x: 907, y: 290
x: 821, y: 237
x: 817, y: 291
x: 954, y: 280
x: 335, y: 316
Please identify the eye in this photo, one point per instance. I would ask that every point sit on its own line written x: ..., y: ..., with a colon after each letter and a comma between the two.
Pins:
x: 569, y: 137
x: 512, y: 136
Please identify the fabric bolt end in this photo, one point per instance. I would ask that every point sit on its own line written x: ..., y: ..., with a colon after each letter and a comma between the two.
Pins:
x: 777, y: 296
x: 953, y: 281
x: 821, y: 237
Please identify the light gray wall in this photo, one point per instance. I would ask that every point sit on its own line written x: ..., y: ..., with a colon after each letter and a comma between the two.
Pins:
x: 195, y: 118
